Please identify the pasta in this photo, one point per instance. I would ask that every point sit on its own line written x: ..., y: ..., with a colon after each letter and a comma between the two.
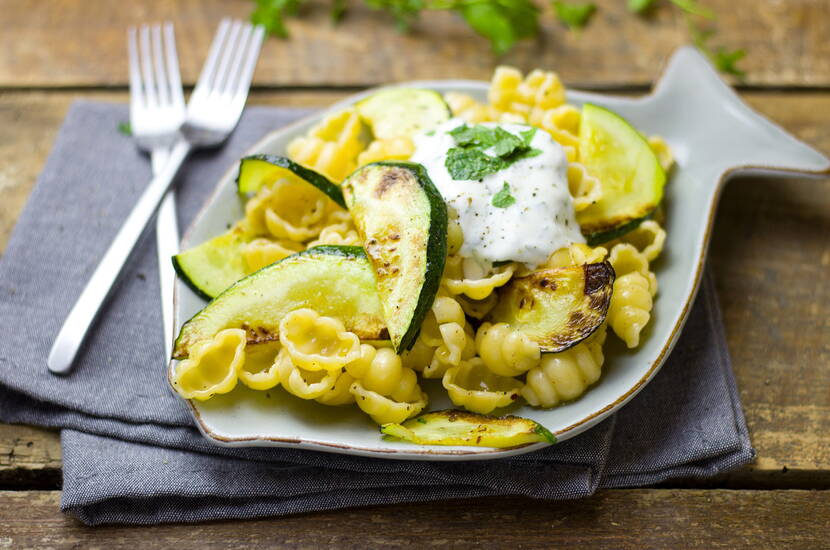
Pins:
x: 213, y: 366
x: 630, y: 308
x: 663, y: 152
x: 585, y: 189
x: 383, y: 388
x: 343, y: 233
x: 332, y: 146
x: 530, y: 97
x: 465, y: 276
x: 625, y: 258
x: 340, y: 393
x: 317, y: 343
x: 576, y: 254
x: 648, y: 238
x: 566, y: 375
x: 261, y: 252
x: 303, y: 383
x: 472, y: 386
x: 287, y: 209
x: 260, y: 371
x: 397, y: 148
x: 505, y: 351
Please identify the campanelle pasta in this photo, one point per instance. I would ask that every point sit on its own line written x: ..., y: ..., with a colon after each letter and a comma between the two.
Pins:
x: 483, y: 365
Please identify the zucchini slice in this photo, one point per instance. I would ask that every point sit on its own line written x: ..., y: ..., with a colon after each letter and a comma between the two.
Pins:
x: 557, y: 308
x: 454, y: 427
x: 333, y: 280
x: 258, y: 170
x: 403, y: 112
x: 214, y: 265
x: 630, y: 174
x: 402, y: 220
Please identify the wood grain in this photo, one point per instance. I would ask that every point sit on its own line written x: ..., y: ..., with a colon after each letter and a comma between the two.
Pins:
x: 770, y: 253
x: 82, y: 43
x: 636, y: 519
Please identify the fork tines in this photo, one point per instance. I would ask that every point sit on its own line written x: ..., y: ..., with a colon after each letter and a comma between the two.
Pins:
x: 154, y: 67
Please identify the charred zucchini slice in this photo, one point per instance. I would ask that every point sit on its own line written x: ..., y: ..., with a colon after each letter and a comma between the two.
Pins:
x: 629, y: 172
x: 397, y: 112
x: 402, y: 221
x: 454, y: 427
x: 333, y: 280
x: 557, y: 308
x: 258, y: 170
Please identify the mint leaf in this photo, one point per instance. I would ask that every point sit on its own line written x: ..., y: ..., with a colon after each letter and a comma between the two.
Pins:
x: 639, y: 6
x: 125, y: 128
x: 528, y: 135
x: 503, y: 198
x: 506, y: 143
x: 471, y: 164
x: 477, y: 135
x: 573, y: 15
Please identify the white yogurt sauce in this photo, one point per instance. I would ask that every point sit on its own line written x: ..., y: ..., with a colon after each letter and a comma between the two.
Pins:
x: 541, y: 221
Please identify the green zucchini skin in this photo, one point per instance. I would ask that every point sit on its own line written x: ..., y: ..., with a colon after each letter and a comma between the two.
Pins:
x: 396, y: 112
x: 258, y: 302
x: 250, y: 177
x: 423, y: 240
x: 629, y: 172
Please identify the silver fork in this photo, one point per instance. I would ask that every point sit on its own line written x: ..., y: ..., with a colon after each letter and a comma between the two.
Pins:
x: 157, y: 111
x: 212, y: 113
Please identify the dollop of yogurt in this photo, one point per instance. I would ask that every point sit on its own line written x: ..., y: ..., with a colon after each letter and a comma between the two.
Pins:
x: 540, y: 221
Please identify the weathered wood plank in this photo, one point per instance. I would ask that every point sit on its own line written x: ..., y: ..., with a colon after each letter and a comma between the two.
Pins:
x: 81, y: 43
x: 771, y: 253
x: 691, y: 519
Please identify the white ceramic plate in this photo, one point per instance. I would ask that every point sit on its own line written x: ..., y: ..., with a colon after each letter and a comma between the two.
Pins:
x: 713, y: 135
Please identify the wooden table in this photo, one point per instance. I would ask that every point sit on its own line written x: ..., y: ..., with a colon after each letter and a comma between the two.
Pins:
x: 771, y: 257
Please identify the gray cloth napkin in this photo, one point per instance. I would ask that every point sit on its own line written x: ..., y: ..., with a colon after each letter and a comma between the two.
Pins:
x: 130, y: 450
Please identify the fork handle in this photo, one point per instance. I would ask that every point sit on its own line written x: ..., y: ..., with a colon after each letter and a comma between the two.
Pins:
x: 83, y: 313
x: 167, y: 246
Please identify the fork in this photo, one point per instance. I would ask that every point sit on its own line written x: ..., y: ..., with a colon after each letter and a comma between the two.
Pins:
x: 157, y: 111
x: 212, y: 113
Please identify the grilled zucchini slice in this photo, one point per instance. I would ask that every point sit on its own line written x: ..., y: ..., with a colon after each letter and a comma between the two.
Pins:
x: 332, y: 280
x: 403, y: 112
x: 629, y: 172
x: 402, y: 220
x: 454, y: 427
x: 258, y: 170
x: 557, y: 308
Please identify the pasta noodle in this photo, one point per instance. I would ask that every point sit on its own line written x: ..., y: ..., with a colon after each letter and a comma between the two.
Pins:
x: 303, y: 383
x: 625, y: 258
x: 332, y: 146
x: 505, y: 351
x: 648, y: 238
x: 630, y: 308
x: 315, y: 342
x: 585, y: 189
x: 287, y: 209
x: 663, y: 152
x: 213, y: 366
x: 566, y: 375
x: 466, y: 276
x: 383, y: 388
x: 260, y: 370
x: 342, y: 234
x: 530, y: 97
x: 340, y: 393
x: 472, y: 386
x: 261, y: 252
x: 397, y: 148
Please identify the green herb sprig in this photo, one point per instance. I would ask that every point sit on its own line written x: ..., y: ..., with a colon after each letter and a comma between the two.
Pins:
x: 470, y: 160
x: 502, y: 22
x: 503, y: 198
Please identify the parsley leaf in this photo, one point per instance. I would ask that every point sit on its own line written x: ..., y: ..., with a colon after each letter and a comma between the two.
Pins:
x: 639, y: 6
x: 269, y: 14
x: 502, y: 22
x: 724, y: 60
x: 125, y: 128
x: 471, y: 164
x: 503, y: 198
x: 573, y: 15
x: 693, y: 8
